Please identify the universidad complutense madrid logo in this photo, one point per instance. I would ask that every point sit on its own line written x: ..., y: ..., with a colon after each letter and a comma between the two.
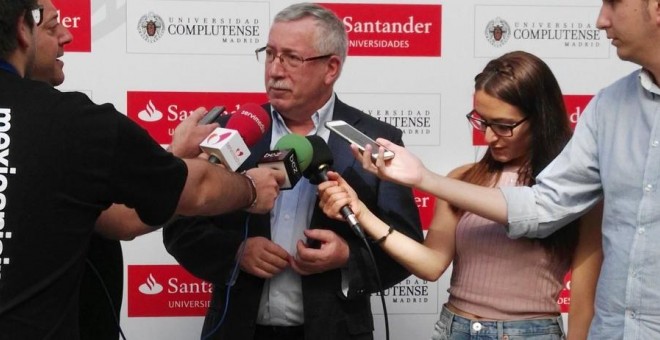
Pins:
x: 497, y: 32
x: 159, y: 112
x: 151, y: 27
x: 166, y: 290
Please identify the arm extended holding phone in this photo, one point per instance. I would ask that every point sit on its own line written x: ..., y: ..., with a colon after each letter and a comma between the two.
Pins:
x: 355, y: 136
x: 192, y: 130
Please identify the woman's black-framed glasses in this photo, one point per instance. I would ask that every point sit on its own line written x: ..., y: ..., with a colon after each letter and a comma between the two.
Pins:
x: 38, y: 15
x: 265, y: 54
x: 500, y: 129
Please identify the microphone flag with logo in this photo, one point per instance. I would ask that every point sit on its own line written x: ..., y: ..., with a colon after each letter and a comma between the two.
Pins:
x: 292, y: 155
x: 230, y: 145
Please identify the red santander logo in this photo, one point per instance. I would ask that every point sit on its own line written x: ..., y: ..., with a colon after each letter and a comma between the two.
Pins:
x: 76, y: 16
x: 391, y: 29
x: 166, y: 290
x: 564, y: 299
x: 160, y: 112
x: 426, y: 206
x: 575, y: 105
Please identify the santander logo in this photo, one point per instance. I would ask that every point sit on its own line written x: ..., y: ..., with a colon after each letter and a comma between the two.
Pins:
x: 151, y: 286
x: 150, y: 113
x: 166, y: 290
x: 406, y: 30
x: 564, y: 299
x: 160, y: 112
x: 426, y: 206
x: 76, y: 16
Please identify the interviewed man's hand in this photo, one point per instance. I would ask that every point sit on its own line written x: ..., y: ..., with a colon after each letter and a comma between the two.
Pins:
x: 263, y: 258
x: 333, y: 253
x: 267, y: 182
x: 188, y: 134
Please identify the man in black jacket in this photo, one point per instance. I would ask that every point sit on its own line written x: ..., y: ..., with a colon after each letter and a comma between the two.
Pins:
x: 302, y: 275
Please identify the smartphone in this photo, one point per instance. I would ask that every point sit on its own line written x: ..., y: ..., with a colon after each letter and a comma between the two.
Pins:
x: 354, y: 136
x: 212, y: 115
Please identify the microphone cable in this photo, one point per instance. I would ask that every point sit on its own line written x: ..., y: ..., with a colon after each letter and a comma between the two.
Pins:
x: 320, y: 163
x: 357, y: 229
x: 230, y: 282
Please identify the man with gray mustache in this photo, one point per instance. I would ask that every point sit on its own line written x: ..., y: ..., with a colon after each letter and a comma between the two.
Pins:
x: 302, y: 275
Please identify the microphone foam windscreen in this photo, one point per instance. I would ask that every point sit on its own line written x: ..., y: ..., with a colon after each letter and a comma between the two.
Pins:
x: 302, y: 147
x: 251, y: 121
x: 321, y: 155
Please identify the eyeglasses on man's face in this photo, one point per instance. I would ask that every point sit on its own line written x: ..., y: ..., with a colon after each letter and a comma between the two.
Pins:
x: 38, y: 15
x: 500, y: 129
x: 267, y: 55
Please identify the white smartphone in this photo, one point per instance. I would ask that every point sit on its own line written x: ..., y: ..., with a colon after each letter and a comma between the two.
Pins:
x: 355, y: 136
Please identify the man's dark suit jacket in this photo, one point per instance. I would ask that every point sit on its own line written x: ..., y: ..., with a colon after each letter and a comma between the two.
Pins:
x: 207, y: 247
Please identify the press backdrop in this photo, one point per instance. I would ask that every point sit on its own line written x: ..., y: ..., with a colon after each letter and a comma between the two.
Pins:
x: 410, y: 63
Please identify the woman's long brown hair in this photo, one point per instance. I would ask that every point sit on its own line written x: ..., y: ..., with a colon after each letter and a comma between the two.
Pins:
x: 526, y: 82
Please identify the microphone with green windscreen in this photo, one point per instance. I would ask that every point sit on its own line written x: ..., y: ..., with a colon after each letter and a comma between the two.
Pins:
x: 292, y: 155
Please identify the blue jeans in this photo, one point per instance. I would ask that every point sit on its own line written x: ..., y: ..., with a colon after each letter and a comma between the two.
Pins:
x: 455, y: 327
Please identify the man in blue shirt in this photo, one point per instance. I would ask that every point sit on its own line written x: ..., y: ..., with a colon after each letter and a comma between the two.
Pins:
x: 614, y: 154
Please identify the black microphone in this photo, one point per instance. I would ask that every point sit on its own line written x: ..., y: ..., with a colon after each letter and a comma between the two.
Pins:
x: 292, y: 155
x: 317, y: 172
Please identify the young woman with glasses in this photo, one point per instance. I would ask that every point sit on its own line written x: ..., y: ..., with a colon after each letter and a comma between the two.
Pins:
x: 501, y: 288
